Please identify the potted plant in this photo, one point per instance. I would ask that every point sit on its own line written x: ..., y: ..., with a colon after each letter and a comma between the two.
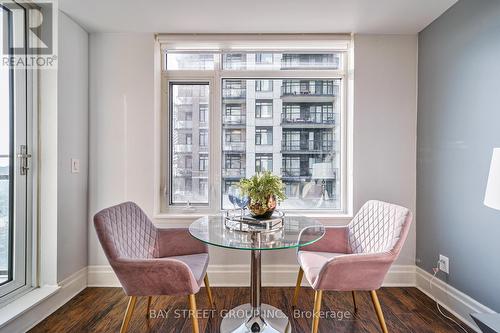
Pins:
x: 264, y: 190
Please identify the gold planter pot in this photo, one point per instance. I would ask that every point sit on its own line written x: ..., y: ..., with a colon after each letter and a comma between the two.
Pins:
x: 263, y: 211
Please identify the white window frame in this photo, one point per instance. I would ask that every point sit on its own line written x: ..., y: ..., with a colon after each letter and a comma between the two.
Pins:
x: 245, y: 43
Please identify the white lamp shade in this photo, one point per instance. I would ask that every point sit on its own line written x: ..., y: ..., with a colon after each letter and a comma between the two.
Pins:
x: 492, y: 197
x: 323, y: 170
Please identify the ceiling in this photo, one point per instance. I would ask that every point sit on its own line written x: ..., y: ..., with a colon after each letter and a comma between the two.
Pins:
x: 256, y: 16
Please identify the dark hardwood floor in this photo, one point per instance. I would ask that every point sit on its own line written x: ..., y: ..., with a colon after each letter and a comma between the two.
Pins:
x: 102, y: 309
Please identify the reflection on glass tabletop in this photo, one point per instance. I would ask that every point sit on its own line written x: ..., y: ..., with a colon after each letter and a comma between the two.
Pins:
x: 297, y: 231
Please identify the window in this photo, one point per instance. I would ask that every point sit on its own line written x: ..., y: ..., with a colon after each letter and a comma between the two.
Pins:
x: 320, y: 61
x: 188, y: 139
x: 184, y: 100
x: 263, y: 162
x: 178, y: 61
x: 234, y: 89
x: 234, y: 114
x: 264, y: 109
x: 263, y: 136
x: 291, y: 166
x: 203, y: 138
x: 235, y: 135
x: 264, y: 85
x: 291, y: 140
x: 308, y: 114
x: 203, y: 163
x: 203, y: 113
x: 234, y: 167
x: 188, y: 162
x: 228, y: 184
x: 287, y: 118
x: 263, y: 58
x: 234, y: 161
x: 234, y: 61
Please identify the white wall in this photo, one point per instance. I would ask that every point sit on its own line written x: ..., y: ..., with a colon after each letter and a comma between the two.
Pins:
x: 121, y: 125
x: 385, y: 123
x: 72, y: 142
x: 122, y: 130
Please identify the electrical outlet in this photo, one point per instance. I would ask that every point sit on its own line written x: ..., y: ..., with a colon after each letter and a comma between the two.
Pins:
x: 444, y: 264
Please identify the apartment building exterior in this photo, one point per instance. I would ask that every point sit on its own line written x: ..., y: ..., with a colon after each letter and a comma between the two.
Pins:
x: 287, y: 126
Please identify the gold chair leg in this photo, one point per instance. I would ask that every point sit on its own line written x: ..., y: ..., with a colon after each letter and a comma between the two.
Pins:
x: 149, y: 306
x: 209, y: 292
x: 316, y: 312
x: 378, y: 310
x: 128, y: 313
x: 194, y: 318
x: 354, y: 302
x: 297, y: 287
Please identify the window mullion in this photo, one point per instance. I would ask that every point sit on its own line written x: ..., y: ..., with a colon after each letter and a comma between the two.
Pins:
x: 215, y: 140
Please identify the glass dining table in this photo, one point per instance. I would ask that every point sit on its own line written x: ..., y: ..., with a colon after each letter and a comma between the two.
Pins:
x: 297, y: 231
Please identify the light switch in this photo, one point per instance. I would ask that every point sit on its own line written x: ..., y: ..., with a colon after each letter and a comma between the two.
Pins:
x: 75, y: 165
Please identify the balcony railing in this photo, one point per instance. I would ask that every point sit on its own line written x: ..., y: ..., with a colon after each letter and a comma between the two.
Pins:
x: 306, y: 146
x: 233, y: 172
x: 296, y: 172
x: 200, y: 174
x: 305, y: 89
x: 314, y: 118
x: 183, y: 148
x: 234, y: 146
x: 183, y: 172
x: 234, y: 92
x: 4, y: 176
x: 309, y: 61
x: 235, y: 119
x: 183, y: 124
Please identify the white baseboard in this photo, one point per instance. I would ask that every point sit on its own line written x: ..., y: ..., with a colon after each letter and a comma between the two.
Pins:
x: 68, y: 288
x: 453, y: 300
x: 239, y: 276
x: 101, y: 276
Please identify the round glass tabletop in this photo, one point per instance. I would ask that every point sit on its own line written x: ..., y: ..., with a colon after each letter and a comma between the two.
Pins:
x: 297, y: 231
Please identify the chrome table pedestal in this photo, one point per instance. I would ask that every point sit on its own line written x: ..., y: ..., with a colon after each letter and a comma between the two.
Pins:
x: 255, y: 317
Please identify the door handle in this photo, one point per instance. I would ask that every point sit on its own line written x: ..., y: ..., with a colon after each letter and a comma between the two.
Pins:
x: 23, y: 159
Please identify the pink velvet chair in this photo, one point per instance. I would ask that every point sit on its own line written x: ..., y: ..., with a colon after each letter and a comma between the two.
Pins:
x: 150, y: 261
x: 355, y: 257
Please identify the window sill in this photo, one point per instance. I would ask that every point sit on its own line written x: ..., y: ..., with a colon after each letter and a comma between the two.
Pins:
x: 24, y: 303
x: 322, y: 216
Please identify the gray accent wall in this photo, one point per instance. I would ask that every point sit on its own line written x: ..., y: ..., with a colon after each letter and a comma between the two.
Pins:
x: 458, y: 126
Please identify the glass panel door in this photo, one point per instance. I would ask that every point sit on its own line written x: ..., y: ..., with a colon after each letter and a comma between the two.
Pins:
x: 14, y: 163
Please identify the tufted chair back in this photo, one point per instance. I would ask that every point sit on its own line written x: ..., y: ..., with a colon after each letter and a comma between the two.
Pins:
x: 126, y: 232
x: 377, y: 227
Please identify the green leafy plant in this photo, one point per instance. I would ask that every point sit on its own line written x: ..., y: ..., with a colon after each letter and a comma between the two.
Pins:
x: 261, y: 186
